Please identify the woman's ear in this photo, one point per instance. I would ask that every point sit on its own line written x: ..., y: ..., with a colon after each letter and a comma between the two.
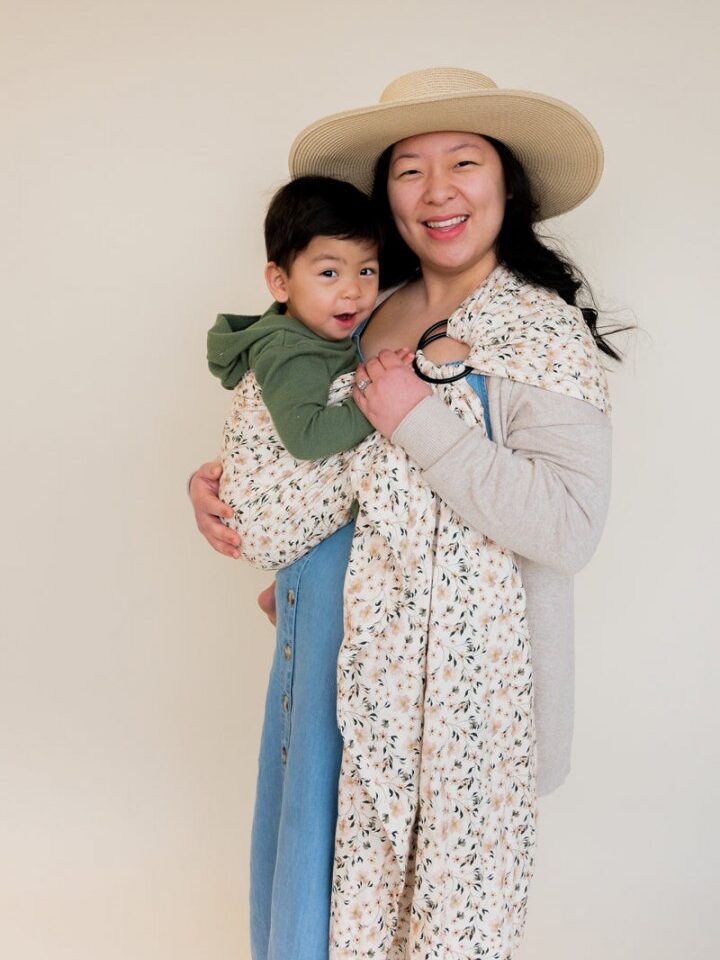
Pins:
x: 277, y: 282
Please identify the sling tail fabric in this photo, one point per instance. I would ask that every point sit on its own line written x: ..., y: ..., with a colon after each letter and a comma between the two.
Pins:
x: 282, y: 506
x: 435, y: 839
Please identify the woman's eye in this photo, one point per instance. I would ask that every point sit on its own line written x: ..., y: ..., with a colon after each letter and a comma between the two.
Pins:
x: 465, y: 163
x: 406, y: 173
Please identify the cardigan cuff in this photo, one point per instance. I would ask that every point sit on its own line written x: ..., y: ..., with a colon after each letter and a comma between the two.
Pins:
x: 429, y: 431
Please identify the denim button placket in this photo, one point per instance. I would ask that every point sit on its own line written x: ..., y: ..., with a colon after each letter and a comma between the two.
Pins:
x: 286, y: 673
x: 286, y: 651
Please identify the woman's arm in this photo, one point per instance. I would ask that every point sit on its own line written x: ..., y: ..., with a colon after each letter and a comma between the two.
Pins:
x: 543, y: 492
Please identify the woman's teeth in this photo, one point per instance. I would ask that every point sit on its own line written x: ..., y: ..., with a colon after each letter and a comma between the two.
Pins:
x: 443, y: 224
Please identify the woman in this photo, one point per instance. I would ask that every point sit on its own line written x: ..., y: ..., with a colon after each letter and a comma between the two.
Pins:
x: 539, y: 489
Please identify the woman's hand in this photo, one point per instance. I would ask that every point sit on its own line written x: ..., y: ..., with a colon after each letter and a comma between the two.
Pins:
x: 204, y: 485
x: 393, y: 390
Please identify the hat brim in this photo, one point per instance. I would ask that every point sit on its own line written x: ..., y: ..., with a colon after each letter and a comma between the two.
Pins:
x: 559, y: 149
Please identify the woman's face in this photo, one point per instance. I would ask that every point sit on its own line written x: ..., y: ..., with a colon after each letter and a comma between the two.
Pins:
x: 447, y: 194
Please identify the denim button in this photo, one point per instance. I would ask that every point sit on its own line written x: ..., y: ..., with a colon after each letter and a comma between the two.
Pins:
x: 291, y: 598
x: 286, y: 701
x: 287, y: 650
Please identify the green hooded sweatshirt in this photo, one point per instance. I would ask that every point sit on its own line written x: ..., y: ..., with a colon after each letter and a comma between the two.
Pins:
x: 294, y: 368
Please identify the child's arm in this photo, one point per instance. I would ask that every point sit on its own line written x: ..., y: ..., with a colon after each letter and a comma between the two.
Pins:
x: 294, y: 382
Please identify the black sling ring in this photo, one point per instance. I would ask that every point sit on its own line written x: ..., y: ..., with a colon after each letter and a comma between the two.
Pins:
x: 429, y: 336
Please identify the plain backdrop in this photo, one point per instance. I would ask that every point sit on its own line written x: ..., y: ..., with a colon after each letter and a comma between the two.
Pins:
x: 140, y: 142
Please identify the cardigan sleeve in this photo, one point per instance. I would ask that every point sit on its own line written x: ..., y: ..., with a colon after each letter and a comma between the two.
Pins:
x: 543, y: 492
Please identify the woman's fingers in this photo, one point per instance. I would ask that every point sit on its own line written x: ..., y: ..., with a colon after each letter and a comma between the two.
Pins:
x: 213, y: 528
x: 359, y: 398
x: 220, y: 537
x: 405, y: 355
x: 209, y: 510
x: 361, y: 373
x: 221, y: 545
x: 374, y: 368
x: 393, y: 391
x: 204, y: 487
x: 385, y: 360
x: 209, y: 472
x: 389, y: 359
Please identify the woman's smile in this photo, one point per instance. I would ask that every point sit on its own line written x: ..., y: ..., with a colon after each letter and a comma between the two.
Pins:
x: 446, y: 228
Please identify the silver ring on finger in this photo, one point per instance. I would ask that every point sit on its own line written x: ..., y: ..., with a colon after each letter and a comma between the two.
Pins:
x: 362, y: 385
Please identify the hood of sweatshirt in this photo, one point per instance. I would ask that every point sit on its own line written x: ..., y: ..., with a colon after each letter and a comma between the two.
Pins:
x: 231, y: 336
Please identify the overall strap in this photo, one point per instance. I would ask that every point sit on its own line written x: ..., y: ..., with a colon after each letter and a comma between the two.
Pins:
x: 477, y: 382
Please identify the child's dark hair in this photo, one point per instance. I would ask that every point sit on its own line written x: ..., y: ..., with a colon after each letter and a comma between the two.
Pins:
x: 310, y: 207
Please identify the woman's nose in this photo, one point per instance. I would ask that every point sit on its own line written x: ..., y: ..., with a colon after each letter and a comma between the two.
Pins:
x: 438, y: 188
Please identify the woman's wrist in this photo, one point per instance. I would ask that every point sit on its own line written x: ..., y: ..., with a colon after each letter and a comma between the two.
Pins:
x: 429, y: 430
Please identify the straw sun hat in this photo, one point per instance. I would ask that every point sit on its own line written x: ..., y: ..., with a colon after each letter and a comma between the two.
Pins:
x: 558, y: 148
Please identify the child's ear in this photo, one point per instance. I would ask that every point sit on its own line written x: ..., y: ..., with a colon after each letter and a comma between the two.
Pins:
x: 277, y: 282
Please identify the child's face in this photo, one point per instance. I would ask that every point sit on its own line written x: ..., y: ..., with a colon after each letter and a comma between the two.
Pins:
x: 331, y: 287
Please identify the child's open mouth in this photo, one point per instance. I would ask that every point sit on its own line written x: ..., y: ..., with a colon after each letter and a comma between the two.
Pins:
x: 346, y: 319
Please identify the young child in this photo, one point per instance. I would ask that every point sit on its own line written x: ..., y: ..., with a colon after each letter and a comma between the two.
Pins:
x: 291, y: 370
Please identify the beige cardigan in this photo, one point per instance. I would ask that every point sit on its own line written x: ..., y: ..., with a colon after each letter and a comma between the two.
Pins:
x: 541, y: 487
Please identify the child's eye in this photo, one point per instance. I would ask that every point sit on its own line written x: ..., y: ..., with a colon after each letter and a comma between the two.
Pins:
x: 368, y: 272
x: 329, y: 273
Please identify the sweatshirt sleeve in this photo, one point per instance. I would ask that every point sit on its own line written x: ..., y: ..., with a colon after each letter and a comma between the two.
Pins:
x: 295, y: 387
x: 544, y: 494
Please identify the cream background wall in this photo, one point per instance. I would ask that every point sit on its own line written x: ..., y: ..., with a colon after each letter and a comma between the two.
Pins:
x: 140, y: 144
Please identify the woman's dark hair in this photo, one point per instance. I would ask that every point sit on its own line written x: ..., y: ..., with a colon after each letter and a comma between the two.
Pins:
x: 310, y: 207
x: 518, y: 246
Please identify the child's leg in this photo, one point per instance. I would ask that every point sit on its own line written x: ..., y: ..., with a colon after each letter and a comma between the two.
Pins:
x: 296, y: 806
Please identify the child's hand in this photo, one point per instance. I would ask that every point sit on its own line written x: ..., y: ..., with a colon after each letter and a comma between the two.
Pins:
x: 405, y: 355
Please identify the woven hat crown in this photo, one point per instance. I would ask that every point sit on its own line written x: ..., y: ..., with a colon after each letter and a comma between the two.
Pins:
x: 435, y: 82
